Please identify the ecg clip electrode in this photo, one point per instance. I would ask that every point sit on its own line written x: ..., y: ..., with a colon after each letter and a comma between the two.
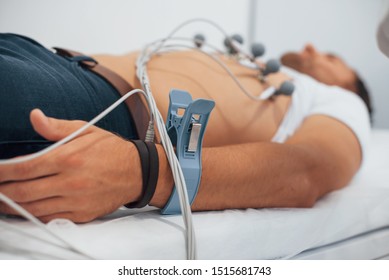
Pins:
x: 186, y: 123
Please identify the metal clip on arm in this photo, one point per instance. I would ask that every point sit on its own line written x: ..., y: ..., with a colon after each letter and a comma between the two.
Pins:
x: 186, y: 132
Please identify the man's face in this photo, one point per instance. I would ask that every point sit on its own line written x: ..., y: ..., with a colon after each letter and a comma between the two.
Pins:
x: 325, y: 68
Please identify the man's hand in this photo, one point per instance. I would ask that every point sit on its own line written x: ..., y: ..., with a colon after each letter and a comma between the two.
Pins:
x: 88, y: 177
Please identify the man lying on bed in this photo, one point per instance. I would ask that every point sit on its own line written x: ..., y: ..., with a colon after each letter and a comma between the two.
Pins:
x: 324, y: 134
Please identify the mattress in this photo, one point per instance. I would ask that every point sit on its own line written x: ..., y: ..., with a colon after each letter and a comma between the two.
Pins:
x: 349, y: 223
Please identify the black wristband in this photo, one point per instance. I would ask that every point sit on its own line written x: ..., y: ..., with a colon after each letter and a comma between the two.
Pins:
x: 150, y: 170
x: 153, y: 174
x: 144, y: 162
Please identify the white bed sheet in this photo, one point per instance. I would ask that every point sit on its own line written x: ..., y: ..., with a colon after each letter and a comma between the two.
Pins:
x: 361, y: 207
x: 368, y: 245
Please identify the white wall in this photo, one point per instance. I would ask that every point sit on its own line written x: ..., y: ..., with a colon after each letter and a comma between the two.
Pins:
x: 115, y: 26
x: 345, y: 27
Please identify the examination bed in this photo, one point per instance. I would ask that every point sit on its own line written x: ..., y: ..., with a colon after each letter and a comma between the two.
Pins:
x: 352, y: 223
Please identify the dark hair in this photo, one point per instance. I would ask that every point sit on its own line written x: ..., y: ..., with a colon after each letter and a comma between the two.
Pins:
x: 363, y: 93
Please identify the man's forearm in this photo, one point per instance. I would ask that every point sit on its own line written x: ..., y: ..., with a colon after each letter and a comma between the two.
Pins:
x: 254, y: 175
x: 247, y: 176
x: 322, y: 156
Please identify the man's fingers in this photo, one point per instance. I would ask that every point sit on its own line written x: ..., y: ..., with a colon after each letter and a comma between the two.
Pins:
x: 53, y: 129
x: 48, y: 206
x: 33, y: 190
x: 41, y: 208
x: 28, y: 170
x: 40, y: 213
x: 64, y: 158
x: 63, y: 215
x: 75, y: 217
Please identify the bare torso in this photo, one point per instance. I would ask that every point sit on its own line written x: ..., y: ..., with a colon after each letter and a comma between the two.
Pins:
x: 235, y: 119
